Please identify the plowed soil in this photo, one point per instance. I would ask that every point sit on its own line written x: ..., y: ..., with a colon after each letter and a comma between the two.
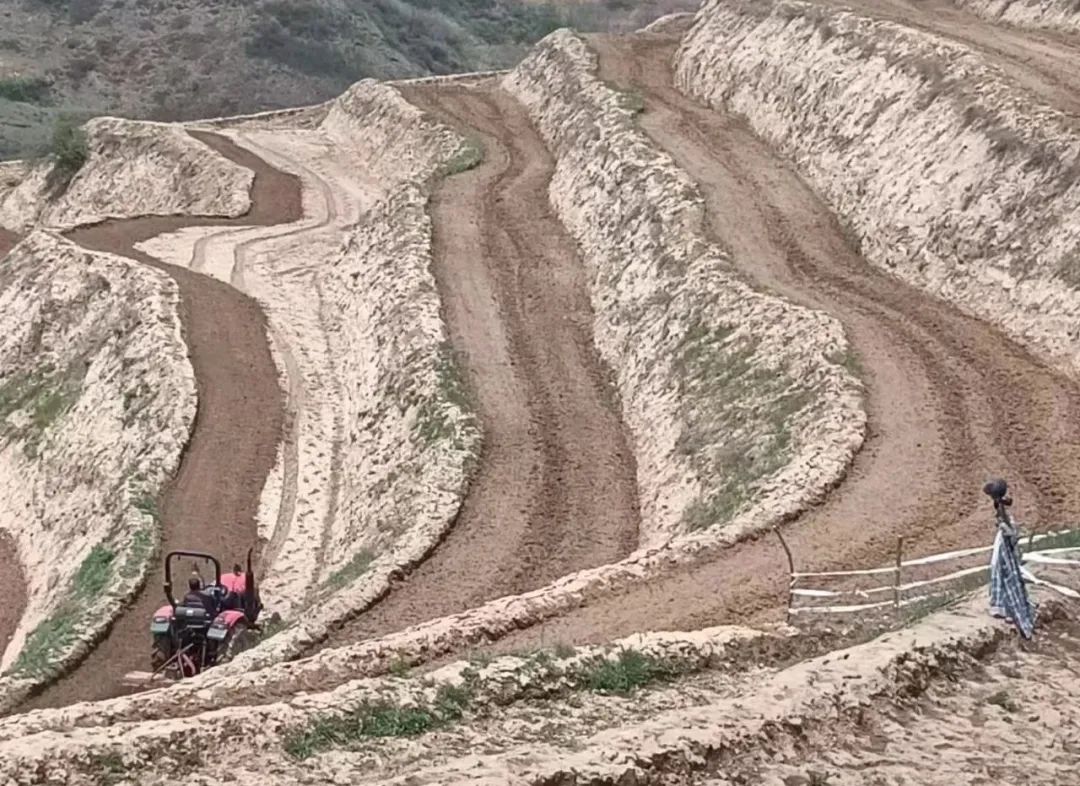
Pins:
x: 555, y: 491
x: 8, y: 240
x: 212, y: 503
x: 951, y: 400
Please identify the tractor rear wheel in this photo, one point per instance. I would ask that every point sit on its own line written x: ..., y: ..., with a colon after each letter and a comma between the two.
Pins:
x: 240, y: 638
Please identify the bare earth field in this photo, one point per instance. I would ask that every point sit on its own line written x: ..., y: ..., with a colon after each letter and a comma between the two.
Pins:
x: 554, y: 492
x: 429, y: 366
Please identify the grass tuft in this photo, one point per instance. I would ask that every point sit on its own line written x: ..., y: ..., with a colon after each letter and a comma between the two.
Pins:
x: 400, y: 668
x: 354, y: 569
x: 435, y: 422
x: 628, y: 672
x: 69, y: 151
x: 469, y: 156
x: 563, y: 651
x: 1003, y: 700
x: 368, y: 720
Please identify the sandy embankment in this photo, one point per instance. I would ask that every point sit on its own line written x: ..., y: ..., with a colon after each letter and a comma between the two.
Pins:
x: 947, y: 174
x: 96, y: 402
x: 1062, y: 16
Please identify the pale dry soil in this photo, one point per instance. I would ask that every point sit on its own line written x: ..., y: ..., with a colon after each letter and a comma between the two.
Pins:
x: 950, y: 399
x: 1012, y: 719
x: 555, y: 489
x: 212, y: 503
x: 952, y: 699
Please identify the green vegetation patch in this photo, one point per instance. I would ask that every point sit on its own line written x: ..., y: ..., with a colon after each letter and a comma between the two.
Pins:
x: 1061, y: 540
x: 50, y: 637
x: 469, y: 156
x: 379, y: 719
x: 58, y: 632
x: 351, y: 571
x: 43, y: 396
x: 69, y: 151
x: 628, y: 672
x: 348, y: 40
x: 139, y: 552
x: 739, y: 415
x: 25, y: 89
x: 438, y: 418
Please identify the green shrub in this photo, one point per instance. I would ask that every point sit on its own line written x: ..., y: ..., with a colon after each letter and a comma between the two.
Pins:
x: 25, y: 89
x: 69, y: 152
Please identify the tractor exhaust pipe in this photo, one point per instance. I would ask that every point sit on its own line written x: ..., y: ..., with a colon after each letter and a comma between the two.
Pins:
x: 252, y: 606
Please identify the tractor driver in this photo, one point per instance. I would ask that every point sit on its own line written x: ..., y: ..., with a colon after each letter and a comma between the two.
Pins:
x: 197, y: 598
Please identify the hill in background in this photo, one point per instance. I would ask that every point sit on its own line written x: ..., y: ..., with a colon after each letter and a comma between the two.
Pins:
x: 184, y: 59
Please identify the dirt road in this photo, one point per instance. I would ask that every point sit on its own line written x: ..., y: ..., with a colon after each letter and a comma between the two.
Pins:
x: 211, y: 504
x: 555, y: 491
x: 8, y: 240
x: 951, y: 400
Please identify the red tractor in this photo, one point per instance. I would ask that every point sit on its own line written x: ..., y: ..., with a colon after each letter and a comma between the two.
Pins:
x: 209, y: 625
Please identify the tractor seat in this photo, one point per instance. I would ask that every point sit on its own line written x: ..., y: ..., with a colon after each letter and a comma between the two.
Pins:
x: 193, y: 617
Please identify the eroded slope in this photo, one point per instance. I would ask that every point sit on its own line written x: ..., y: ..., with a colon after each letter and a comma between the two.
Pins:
x: 96, y: 399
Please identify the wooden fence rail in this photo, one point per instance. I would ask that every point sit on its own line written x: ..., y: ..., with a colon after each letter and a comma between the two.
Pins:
x: 898, y: 588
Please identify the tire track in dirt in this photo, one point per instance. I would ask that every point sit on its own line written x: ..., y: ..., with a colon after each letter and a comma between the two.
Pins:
x: 555, y: 490
x: 951, y: 400
x: 325, y: 212
x: 8, y: 239
x: 212, y: 502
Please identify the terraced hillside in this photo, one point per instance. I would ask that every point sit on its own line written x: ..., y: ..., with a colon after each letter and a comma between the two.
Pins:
x: 498, y: 369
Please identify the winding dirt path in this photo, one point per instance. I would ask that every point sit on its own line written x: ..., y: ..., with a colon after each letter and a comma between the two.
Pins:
x: 555, y: 491
x: 212, y: 502
x: 951, y: 400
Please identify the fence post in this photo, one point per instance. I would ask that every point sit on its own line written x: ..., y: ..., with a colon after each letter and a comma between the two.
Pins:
x: 896, y: 574
x: 791, y: 574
